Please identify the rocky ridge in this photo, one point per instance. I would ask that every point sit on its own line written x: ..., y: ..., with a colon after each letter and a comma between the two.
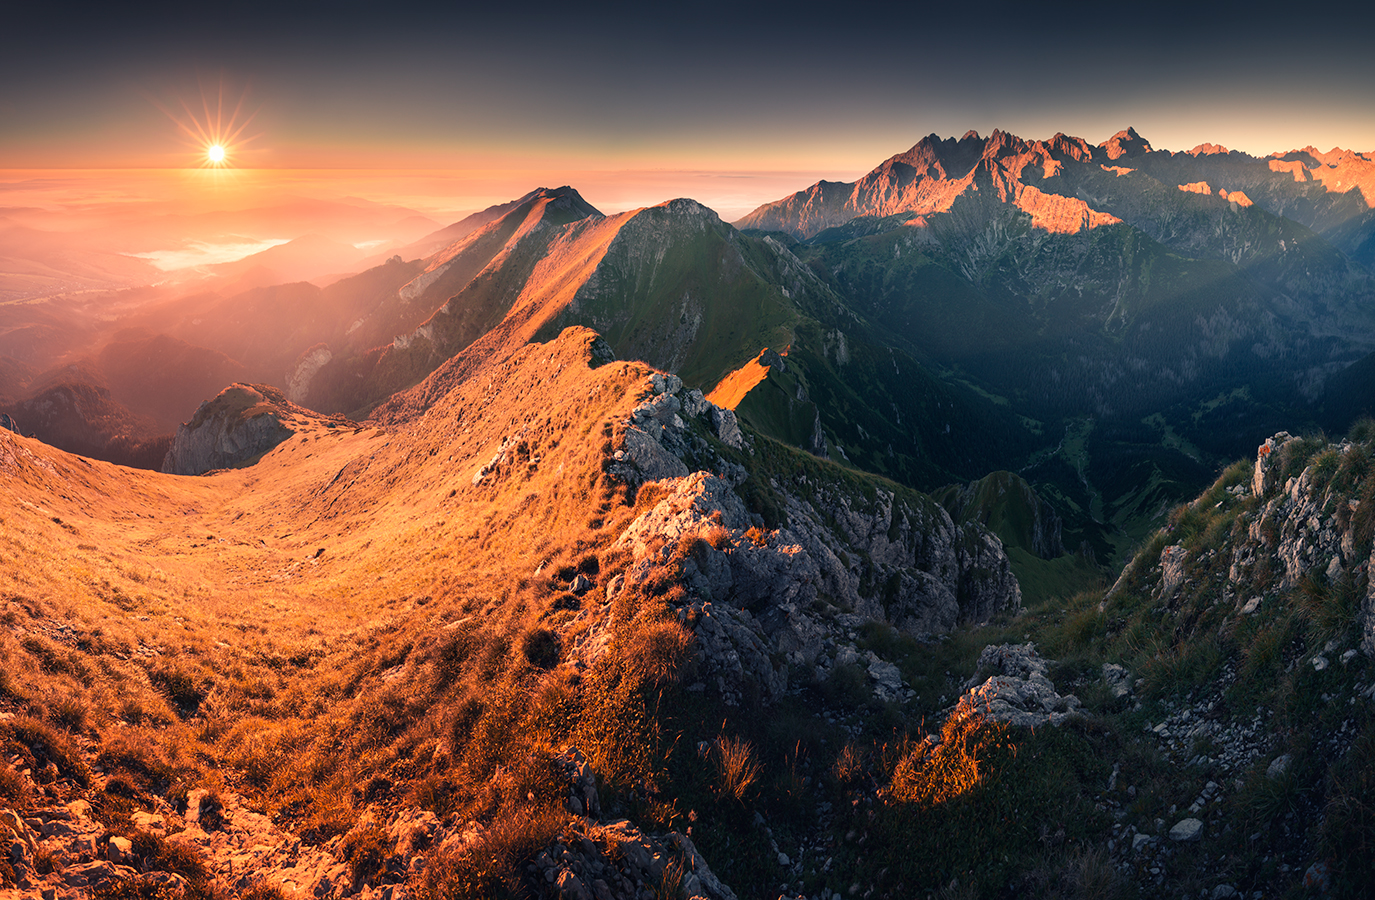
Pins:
x: 935, y: 174
x: 794, y: 592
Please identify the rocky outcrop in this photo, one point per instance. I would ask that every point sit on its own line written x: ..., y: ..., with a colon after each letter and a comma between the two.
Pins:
x: 1297, y: 532
x: 762, y: 598
x: 1299, y: 523
x: 243, y: 422
x: 1019, y: 693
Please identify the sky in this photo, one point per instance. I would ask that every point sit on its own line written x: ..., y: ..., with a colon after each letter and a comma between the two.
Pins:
x: 447, y: 109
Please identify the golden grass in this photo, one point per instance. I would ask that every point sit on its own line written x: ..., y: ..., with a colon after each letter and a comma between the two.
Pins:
x: 930, y: 775
x: 193, y: 630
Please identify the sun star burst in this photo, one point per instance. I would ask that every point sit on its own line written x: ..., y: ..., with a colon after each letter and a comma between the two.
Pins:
x: 216, y: 130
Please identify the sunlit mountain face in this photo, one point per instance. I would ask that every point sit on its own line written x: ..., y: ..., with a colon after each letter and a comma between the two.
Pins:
x: 624, y: 453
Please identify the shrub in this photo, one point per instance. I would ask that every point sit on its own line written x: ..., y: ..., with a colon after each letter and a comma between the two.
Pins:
x: 1362, y: 430
x: 541, y: 648
x: 328, y: 810
x: 848, y: 767
x: 47, y: 746
x: 451, y: 654
x: 365, y: 849
x: 928, y: 775
x: 70, y: 713
x: 158, y: 853
x: 1348, y: 823
x: 655, y: 651
x: 847, y: 687
x: 1330, y: 610
x: 14, y: 789
x: 183, y: 689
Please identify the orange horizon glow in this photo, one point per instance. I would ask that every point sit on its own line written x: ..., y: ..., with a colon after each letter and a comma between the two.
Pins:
x: 443, y: 194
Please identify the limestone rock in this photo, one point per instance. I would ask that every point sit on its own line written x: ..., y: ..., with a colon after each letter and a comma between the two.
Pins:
x: 1187, y: 830
x: 1266, y: 470
x: 1172, y: 561
x: 307, y: 365
x: 1118, y: 679
x: 757, y: 597
x: 727, y: 427
x: 1367, y: 617
x: 649, y: 457
x: 1021, y: 694
x: 121, y: 850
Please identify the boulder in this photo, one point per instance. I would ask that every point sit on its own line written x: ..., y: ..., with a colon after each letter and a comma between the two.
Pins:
x: 1186, y: 830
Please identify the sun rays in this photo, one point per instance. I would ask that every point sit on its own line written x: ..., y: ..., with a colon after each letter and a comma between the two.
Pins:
x: 215, y: 131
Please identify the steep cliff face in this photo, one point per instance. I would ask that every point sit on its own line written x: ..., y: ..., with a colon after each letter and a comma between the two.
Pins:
x: 242, y: 422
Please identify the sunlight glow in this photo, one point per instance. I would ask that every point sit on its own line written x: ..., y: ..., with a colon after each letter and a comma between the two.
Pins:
x: 215, y: 131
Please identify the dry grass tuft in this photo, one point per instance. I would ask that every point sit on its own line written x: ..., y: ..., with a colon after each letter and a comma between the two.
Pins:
x: 929, y: 775
x: 540, y: 648
x: 848, y: 767
x: 736, y: 767
x: 365, y: 849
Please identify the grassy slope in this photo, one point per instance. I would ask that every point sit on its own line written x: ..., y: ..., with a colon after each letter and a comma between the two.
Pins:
x: 210, y: 643
x: 690, y: 300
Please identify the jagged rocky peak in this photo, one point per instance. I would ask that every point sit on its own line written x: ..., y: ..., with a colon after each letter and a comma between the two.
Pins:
x: 1126, y: 144
x: 1333, y: 157
x: 553, y: 206
x: 1063, y: 146
x: 936, y: 157
x: 1004, y: 143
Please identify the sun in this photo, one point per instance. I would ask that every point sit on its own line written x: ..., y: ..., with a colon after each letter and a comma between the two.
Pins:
x: 216, y: 129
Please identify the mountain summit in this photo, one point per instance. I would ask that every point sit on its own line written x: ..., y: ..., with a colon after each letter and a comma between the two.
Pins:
x: 936, y: 174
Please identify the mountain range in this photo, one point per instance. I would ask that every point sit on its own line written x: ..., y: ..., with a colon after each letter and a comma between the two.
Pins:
x: 890, y: 541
